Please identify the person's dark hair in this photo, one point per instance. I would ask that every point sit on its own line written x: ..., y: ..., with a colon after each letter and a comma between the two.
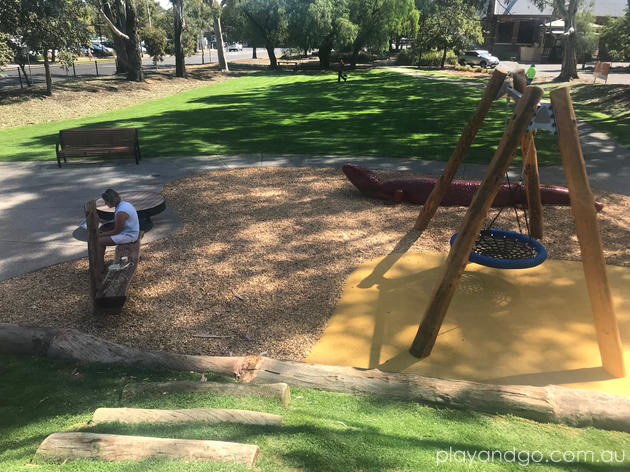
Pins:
x: 111, y: 196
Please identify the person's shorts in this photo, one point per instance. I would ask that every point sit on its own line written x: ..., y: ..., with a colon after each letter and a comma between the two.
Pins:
x: 123, y: 238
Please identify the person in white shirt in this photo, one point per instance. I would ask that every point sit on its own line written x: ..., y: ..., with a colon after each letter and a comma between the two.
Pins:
x: 126, y: 224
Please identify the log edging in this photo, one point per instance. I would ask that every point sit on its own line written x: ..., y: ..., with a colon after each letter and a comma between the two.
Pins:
x: 551, y: 404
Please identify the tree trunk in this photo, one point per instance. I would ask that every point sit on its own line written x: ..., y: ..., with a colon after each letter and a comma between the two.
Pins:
x: 122, y: 61
x: 443, y: 57
x: 26, y: 76
x: 132, y: 45
x: 178, y: 25
x: 254, y: 56
x: 218, y: 32
x: 324, y: 55
x: 355, y: 56
x: 273, y: 62
x: 569, y: 59
x: 47, y: 70
x: 118, y: 16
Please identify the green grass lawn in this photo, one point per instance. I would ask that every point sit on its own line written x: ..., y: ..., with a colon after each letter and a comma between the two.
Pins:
x: 321, y: 431
x: 376, y: 113
x: 606, y: 107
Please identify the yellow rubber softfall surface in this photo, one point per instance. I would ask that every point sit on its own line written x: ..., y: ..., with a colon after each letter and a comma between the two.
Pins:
x: 526, y: 326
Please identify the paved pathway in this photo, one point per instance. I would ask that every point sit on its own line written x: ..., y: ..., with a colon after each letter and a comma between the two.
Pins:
x: 41, y: 205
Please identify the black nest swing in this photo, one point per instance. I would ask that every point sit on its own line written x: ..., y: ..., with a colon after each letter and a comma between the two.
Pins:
x: 506, y: 249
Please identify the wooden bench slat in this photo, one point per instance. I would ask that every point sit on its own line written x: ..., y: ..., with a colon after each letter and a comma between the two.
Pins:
x: 97, y: 142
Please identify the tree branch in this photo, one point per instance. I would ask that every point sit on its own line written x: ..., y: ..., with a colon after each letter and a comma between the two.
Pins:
x: 115, y: 30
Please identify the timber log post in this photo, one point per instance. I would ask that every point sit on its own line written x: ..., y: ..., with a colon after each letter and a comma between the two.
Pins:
x: 459, y: 153
x: 469, y: 230
x: 551, y: 404
x: 588, y: 233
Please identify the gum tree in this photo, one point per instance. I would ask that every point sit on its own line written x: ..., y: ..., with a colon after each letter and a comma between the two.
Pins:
x: 567, y: 10
x: 269, y: 20
x: 42, y: 25
x: 121, y: 17
x: 377, y: 22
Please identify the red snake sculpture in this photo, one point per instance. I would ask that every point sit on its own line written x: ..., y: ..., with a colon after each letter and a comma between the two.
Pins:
x: 460, y: 192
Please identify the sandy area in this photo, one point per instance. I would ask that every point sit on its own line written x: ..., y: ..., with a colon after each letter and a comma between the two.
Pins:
x: 261, y: 260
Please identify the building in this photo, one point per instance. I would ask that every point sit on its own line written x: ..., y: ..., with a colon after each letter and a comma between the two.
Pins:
x: 520, y: 30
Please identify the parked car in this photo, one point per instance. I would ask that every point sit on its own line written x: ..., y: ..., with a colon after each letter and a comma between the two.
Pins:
x: 235, y: 47
x: 101, y: 49
x: 478, y: 57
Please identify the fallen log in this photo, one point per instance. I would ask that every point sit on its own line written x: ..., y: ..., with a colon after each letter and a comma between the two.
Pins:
x: 550, y: 404
x: 280, y: 391
x: 192, y: 415
x: 61, y: 447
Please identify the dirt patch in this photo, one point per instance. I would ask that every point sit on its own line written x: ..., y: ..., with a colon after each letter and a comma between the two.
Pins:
x: 75, y: 99
x: 262, y: 258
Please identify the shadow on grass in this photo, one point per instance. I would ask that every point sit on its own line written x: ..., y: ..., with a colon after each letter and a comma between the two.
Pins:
x: 373, y: 114
x: 365, y: 433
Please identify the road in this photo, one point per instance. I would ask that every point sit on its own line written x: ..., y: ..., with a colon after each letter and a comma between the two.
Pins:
x: 10, y: 76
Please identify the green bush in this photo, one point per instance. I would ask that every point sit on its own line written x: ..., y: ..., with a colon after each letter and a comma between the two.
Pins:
x: 409, y: 57
x: 155, y: 42
x: 507, y: 55
x: 406, y: 57
x: 66, y: 58
x: 434, y: 58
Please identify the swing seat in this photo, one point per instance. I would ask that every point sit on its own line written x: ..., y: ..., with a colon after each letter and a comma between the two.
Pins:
x: 506, y: 250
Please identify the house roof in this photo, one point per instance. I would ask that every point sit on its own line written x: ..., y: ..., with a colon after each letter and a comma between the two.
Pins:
x: 609, y: 7
x: 614, y: 8
x: 520, y: 7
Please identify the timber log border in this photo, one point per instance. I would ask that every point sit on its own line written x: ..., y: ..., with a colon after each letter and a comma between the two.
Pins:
x: 550, y: 404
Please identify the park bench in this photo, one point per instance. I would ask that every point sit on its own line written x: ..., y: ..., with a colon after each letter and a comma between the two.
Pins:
x: 80, y: 142
x: 295, y: 64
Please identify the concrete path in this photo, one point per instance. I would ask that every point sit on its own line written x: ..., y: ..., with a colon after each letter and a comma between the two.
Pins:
x: 41, y: 205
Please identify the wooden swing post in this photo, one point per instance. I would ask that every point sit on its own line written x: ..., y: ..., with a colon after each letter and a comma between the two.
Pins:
x: 530, y: 169
x: 95, y: 270
x: 588, y: 233
x: 469, y: 230
x: 463, y: 145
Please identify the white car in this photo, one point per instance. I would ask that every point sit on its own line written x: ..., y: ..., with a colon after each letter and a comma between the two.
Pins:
x: 478, y: 57
x: 235, y: 47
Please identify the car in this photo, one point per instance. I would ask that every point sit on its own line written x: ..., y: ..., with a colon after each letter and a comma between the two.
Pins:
x: 101, y: 49
x: 478, y: 57
x: 235, y: 47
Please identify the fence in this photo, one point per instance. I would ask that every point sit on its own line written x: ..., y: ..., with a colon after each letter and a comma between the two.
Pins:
x: 14, y: 77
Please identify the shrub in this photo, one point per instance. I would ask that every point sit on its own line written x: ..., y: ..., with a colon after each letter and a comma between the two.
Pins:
x: 6, y: 54
x: 155, y: 42
x: 434, y: 58
x: 66, y: 58
x: 406, y: 57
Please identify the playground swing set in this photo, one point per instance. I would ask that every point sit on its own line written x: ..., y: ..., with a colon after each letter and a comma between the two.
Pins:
x: 506, y: 249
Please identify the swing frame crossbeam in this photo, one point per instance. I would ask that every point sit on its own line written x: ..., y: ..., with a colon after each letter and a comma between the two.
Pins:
x: 582, y: 206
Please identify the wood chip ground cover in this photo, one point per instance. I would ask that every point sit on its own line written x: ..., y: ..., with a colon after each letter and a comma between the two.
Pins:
x: 261, y: 260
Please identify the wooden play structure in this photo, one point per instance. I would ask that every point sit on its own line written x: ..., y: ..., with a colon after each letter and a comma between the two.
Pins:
x: 108, y: 288
x: 558, y: 116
